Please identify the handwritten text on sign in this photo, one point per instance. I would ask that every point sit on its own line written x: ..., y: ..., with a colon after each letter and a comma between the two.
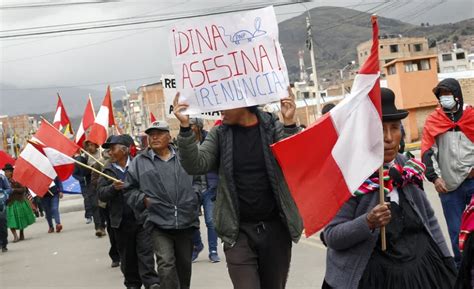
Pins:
x: 230, y: 61
x: 169, y: 91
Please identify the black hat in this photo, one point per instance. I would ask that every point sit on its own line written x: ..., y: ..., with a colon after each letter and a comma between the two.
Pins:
x: 8, y: 167
x: 389, y: 110
x: 123, y: 139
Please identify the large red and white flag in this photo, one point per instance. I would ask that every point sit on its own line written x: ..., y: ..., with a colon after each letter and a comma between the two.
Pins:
x: 86, y: 122
x: 325, y: 164
x: 61, y: 119
x: 104, y: 119
x: 62, y: 164
x: 34, y: 170
x: 49, y: 136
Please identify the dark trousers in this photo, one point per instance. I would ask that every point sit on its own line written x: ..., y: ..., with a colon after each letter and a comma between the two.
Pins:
x: 3, y: 227
x: 174, y: 249
x: 87, y: 203
x: 136, y: 255
x: 454, y: 203
x: 261, y: 257
x: 113, y: 252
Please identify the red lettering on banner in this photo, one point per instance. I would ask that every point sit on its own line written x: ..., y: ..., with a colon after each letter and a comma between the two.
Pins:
x: 216, y: 34
x: 201, y: 37
x: 276, y: 54
x: 198, y: 71
x: 255, y: 67
x: 186, y: 75
x: 263, y: 54
x: 235, y: 62
x: 223, y: 65
x: 181, y: 51
x: 207, y: 70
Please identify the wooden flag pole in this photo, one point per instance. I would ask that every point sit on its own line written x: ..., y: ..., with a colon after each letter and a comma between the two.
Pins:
x: 381, y: 202
x: 91, y: 156
x: 94, y: 170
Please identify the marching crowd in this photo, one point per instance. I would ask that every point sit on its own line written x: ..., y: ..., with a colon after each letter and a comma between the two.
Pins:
x: 148, y: 201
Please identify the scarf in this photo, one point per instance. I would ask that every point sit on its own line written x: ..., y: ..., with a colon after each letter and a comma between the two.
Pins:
x: 394, y: 176
x: 467, y: 224
x: 438, y: 123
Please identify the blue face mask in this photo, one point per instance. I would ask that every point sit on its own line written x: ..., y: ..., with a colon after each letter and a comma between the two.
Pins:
x: 447, y: 101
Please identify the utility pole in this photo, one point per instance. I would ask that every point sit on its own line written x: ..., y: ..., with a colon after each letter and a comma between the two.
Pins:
x: 310, y: 45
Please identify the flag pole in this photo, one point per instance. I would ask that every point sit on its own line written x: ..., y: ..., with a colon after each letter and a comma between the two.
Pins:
x: 381, y: 202
x: 82, y: 150
x: 84, y: 165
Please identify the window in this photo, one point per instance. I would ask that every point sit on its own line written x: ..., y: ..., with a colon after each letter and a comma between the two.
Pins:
x: 460, y: 55
x: 447, y: 57
x: 418, y: 47
x: 365, y: 53
x: 417, y: 65
x: 392, y: 70
x: 394, y: 48
x: 425, y: 64
x: 410, y: 66
x: 381, y: 46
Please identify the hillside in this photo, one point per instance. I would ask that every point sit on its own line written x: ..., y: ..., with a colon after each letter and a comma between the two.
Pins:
x: 337, y: 32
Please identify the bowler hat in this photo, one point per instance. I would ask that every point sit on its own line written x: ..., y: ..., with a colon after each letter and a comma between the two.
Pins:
x: 8, y: 167
x: 389, y: 110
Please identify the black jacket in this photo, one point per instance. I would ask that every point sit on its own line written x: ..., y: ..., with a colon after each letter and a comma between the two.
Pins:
x: 118, y: 208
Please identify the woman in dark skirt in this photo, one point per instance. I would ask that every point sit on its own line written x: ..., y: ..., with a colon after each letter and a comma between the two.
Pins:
x: 417, y: 256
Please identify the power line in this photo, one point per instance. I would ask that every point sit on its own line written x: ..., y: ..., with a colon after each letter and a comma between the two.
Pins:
x: 104, y: 26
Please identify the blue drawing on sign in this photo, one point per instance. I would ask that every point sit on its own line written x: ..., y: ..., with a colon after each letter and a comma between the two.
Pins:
x: 244, y: 34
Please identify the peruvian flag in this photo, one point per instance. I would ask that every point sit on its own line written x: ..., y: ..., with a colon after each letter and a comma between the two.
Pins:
x: 152, y: 117
x: 87, y: 121
x: 33, y: 170
x: 105, y: 119
x: 49, y: 136
x: 62, y: 164
x: 61, y: 119
x: 325, y: 164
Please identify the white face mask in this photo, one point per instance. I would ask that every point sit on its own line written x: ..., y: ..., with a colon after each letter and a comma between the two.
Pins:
x: 447, y: 101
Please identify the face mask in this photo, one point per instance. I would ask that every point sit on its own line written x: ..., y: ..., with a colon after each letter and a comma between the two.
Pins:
x: 447, y: 101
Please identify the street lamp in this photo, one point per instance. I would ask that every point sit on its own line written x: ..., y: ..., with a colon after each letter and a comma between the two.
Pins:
x: 341, y: 71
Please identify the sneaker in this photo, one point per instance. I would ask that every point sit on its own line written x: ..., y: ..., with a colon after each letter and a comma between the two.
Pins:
x: 213, y: 257
x: 115, y: 264
x: 196, y: 251
x: 4, y: 249
x: 100, y: 233
x: 88, y: 220
x: 59, y: 227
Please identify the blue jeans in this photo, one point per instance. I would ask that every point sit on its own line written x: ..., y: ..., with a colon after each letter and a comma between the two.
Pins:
x: 454, y: 203
x: 3, y: 228
x: 51, y: 208
x: 208, y: 206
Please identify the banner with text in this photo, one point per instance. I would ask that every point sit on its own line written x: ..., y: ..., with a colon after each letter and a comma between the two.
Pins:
x: 169, y: 91
x: 228, y: 61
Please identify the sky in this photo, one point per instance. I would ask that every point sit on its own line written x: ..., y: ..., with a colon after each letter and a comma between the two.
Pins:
x: 34, y: 67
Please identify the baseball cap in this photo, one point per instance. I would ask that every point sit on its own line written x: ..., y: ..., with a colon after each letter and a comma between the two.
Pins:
x: 158, y: 125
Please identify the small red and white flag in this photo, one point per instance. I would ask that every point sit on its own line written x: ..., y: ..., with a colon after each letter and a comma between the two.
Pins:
x: 62, y: 164
x: 104, y: 119
x: 152, y: 117
x: 86, y: 122
x: 34, y: 170
x: 51, y: 137
x: 61, y: 119
x: 325, y: 164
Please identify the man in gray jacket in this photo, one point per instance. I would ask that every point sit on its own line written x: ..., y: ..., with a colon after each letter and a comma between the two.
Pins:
x: 448, y: 153
x: 254, y: 213
x: 161, y: 195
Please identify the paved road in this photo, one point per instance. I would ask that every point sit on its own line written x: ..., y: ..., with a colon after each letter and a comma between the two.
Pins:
x: 76, y: 259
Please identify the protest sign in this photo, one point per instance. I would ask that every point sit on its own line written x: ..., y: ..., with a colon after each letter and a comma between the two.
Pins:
x: 228, y: 61
x: 169, y: 91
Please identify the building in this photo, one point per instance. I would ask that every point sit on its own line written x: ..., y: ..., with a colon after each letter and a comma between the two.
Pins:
x: 454, y: 60
x: 395, y: 46
x: 412, y: 80
x: 15, y: 131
